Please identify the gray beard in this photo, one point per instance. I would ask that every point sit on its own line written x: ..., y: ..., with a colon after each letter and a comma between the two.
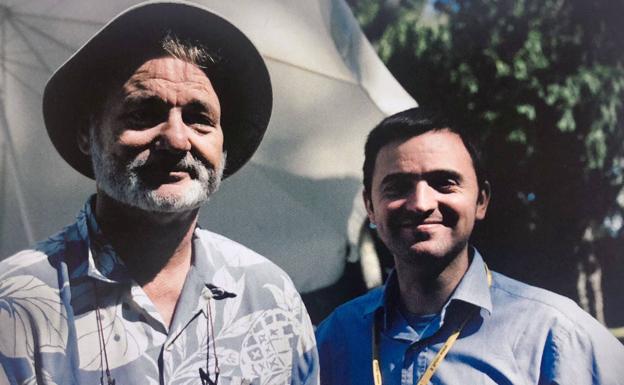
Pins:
x: 122, y: 182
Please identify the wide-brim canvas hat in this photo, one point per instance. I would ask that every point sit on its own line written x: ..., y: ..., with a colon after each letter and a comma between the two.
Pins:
x: 240, y: 77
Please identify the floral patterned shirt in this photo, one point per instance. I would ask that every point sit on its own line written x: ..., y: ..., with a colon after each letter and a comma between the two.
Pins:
x: 235, y: 304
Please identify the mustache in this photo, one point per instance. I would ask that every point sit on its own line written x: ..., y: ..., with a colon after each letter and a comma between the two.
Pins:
x: 167, y: 163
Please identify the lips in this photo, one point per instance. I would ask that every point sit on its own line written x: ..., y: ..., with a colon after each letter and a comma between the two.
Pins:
x: 176, y: 176
x: 418, y: 224
x: 190, y: 171
x: 158, y: 173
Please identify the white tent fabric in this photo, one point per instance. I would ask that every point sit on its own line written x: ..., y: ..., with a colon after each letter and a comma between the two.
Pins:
x: 290, y: 203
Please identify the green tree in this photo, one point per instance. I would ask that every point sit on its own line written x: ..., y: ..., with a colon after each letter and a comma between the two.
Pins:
x: 542, y: 82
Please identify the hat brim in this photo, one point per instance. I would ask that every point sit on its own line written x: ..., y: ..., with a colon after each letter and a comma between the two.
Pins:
x: 243, y: 85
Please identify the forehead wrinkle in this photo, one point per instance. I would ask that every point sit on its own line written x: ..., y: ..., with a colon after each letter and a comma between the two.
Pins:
x: 153, y: 84
x: 172, y: 70
x: 136, y: 91
x: 143, y: 82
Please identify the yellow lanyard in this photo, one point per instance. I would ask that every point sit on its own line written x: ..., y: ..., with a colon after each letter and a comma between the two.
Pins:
x: 437, y: 360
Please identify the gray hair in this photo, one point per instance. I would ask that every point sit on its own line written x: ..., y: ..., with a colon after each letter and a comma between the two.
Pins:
x: 188, y: 52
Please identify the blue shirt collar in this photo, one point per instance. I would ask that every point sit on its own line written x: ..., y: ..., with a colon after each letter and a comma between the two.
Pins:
x: 473, y: 289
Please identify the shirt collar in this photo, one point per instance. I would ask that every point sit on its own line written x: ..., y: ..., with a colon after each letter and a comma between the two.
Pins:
x: 386, y: 297
x: 202, y: 268
x: 473, y: 289
x: 196, y: 290
x: 103, y: 263
x: 195, y: 293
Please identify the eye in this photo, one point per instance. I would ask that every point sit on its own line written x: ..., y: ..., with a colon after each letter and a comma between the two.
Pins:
x: 195, y: 118
x: 444, y: 183
x: 397, y: 188
x: 143, y: 116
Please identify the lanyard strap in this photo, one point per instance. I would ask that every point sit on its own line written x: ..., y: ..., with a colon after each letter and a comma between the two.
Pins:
x: 437, y: 360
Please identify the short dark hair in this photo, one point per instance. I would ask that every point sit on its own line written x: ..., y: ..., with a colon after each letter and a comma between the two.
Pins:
x: 414, y: 122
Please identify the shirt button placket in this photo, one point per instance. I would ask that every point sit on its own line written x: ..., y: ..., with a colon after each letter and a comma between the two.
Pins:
x: 407, y: 373
x: 421, y: 363
x: 166, y: 357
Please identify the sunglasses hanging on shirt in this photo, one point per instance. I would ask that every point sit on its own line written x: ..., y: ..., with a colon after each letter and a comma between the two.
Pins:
x: 203, y: 376
x: 217, y: 293
x: 102, y: 342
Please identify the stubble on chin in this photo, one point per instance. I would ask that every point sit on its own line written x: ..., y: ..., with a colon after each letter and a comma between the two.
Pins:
x: 426, y: 251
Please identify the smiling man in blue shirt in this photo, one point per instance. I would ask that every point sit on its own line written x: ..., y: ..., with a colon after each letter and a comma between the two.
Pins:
x: 443, y: 317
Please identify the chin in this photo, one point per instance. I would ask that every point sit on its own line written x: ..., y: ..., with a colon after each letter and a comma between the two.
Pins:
x: 436, y: 251
x: 423, y: 252
x: 191, y: 197
x: 186, y: 198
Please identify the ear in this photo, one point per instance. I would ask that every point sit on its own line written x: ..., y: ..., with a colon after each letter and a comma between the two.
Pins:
x: 483, y: 200
x: 369, y: 206
x: 82, y: 137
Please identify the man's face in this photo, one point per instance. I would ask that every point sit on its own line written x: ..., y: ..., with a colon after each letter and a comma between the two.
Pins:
x: 158, y: 144
x: 425, y: 198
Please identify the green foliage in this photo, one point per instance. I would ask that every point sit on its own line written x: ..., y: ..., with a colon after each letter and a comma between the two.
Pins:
x: 366, y: 10
x: 541, y: 82
x: 375, y: 15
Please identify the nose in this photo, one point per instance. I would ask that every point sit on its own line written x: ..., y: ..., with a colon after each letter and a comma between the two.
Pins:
x: 422, y: 198
x: 174, y: 134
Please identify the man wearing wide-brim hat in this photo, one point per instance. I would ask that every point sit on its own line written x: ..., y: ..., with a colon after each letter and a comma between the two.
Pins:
x: 160, y: 105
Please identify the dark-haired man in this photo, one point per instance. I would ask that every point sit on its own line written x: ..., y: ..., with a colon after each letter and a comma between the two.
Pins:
x: 134, y: 292
x: 443, y: 317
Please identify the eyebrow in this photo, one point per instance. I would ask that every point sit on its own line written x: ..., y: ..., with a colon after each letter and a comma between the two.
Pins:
x: 196, y: 105
x: 142, y: 98
x: 441, y: 173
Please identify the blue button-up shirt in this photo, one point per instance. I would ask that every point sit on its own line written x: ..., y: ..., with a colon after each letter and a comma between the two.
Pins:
x: 49, y: 297
x: 518, y: 335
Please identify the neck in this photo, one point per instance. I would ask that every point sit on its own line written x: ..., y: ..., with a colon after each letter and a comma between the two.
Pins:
x: 425, y: 288
x: 151, y: 244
